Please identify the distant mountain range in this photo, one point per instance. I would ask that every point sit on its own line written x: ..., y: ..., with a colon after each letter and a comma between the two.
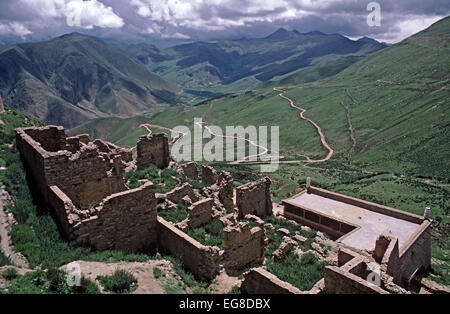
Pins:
x: 247, y: 62
x: 75, y: 77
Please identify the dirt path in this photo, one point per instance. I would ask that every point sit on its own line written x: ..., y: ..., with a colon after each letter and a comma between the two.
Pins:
x: 316, y: 125
x: 15, y: 258
x: 265, y: 150
x: 147, y: 283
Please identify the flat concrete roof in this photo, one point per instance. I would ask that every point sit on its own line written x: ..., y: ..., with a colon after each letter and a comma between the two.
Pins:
x: 372, y: 223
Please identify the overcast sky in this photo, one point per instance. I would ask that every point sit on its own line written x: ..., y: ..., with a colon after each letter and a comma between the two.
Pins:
x: 139, y: 20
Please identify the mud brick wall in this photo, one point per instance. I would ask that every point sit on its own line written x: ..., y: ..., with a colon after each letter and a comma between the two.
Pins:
x: 225, y: 184
x: 85, y: 176
x: 190, y: 170
x: 243, y: 246
x: 153, y: 150
x: 209, y: 175
x: 124, y: 221
x: 340, y: 281
x: 203, y: 261
x: 254, y: 199
x: 50, y: 138
x: 260, y: 281
x: 200, y: 213
x: 416, y: 254
x: 177, y: 194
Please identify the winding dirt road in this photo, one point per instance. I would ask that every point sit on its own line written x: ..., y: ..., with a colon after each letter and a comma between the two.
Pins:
x: 265, y: 150
x: 316, y: 125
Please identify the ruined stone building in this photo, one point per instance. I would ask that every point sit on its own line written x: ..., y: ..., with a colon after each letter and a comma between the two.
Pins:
x: 82, y: 181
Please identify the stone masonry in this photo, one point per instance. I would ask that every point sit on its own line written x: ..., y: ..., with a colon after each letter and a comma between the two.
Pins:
x: 243, y: 246
x: 153, y: 149
x: 209, y: 175
x: 200, y: 213
x: 190, y: 170
x: 254, y: 198
x: 225, y: 184
x: 82, y: 182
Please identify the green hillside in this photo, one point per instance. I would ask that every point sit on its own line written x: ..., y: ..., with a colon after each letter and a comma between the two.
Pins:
x: 210, y: 69
x: 75, y: 77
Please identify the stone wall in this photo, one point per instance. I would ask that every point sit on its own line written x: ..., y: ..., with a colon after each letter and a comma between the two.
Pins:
x: 226, y: 191
x: 339, y: 281
x: 124, y: 221
x: 86, y: 176
x: 178, y: 194
x: 190, y: 170
x: 243, y: 246
x: 416, y: 254
x: 153, y: 150
x: 254, y: 198
x: 201, y: 260
x: 200, y: 213
x: 209, y: 175
x: 82, y: 182
x: 260, y: 281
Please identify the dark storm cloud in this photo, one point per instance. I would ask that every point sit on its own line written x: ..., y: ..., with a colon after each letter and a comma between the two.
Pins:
x: 212, y: 19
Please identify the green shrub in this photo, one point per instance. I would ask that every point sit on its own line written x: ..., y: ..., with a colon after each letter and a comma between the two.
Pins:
x: 158, y: 273
x: 234, y: 290
x: 210, y: 234
x: 119, y: 282
x: 303, y: 273
x: 10, y: 273
x: 174, y: 215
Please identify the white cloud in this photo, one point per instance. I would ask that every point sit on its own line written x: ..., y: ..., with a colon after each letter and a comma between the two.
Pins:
x: 14, y: 28
x: 78, y: 13
x: 214, y: 15
x: 413, y: 25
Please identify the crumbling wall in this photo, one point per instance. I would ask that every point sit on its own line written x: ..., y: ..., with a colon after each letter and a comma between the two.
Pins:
x: 203, y: 261
x: 260, y: 281
x: 82, y: 182
x: 254, y: 198
x: 85, y: 175
x: 153, y: 150
x: 226, y: 191
x: 200, y: 213
x: 190, y: 170
x: 243, y: 246
x: 124, y: 221
x: 179, y: 194
x: 209, y: 175
x: 340, y: 281
x: 416, y: 254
